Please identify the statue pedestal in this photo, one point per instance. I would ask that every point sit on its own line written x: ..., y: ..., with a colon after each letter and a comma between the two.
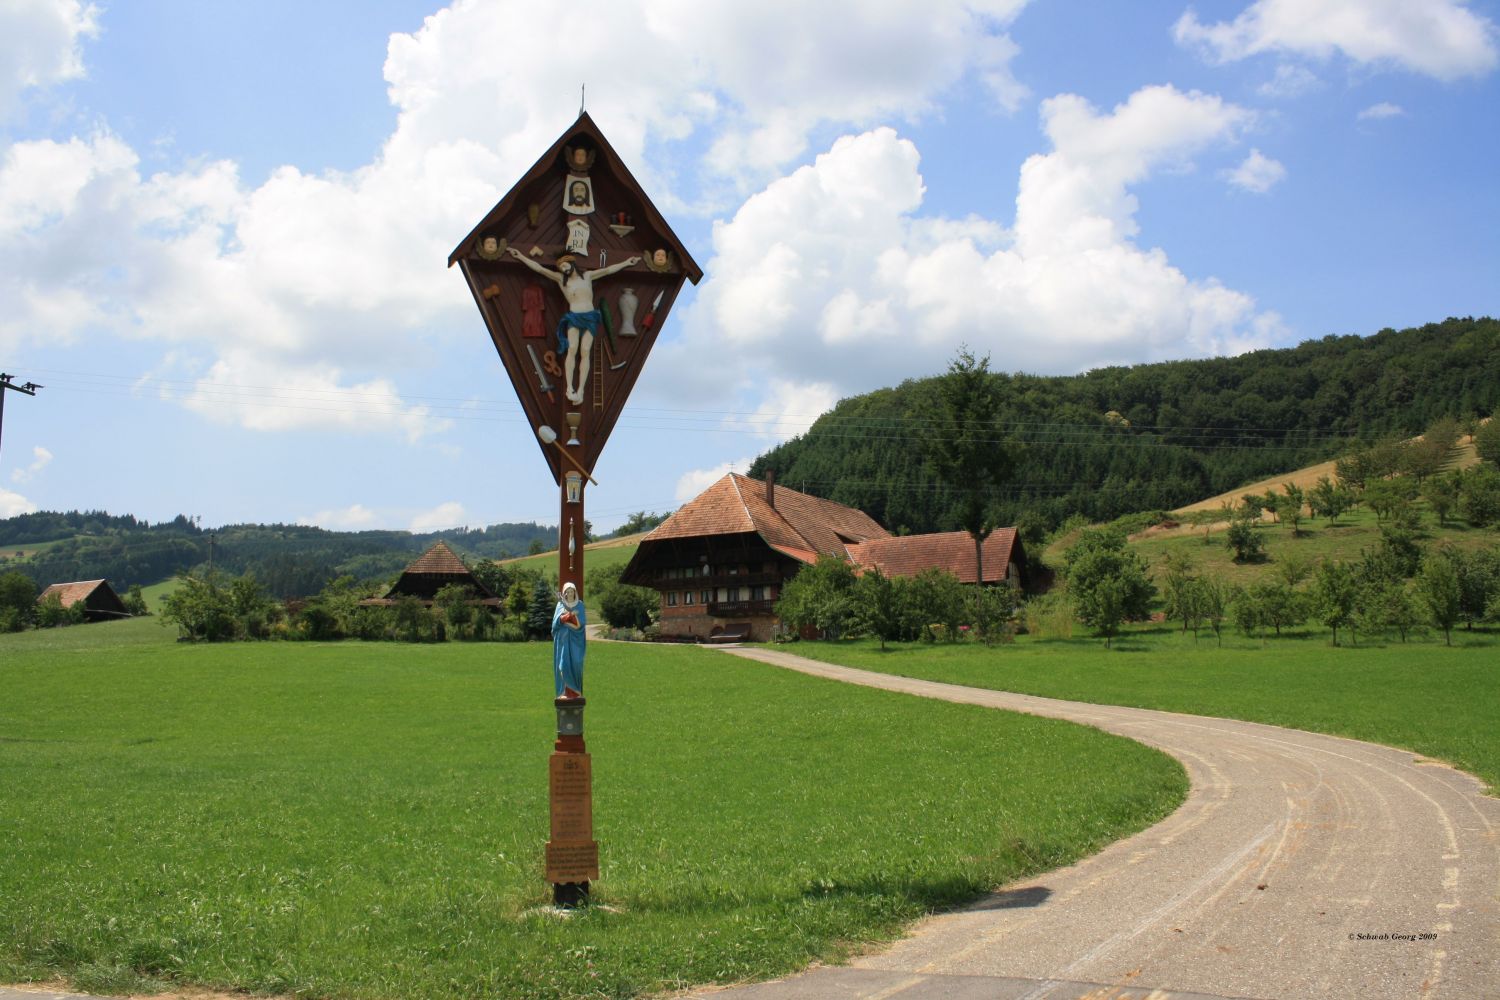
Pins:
x: 572, y: 852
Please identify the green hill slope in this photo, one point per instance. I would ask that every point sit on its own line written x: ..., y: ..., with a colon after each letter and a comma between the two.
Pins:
x: 1157, y: 436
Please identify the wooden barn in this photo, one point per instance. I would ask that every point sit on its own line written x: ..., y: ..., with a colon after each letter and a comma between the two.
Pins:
x: 430, y: 572
x: 99, y: 600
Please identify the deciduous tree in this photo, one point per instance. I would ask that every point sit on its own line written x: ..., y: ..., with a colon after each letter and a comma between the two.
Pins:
x: 965, y: 442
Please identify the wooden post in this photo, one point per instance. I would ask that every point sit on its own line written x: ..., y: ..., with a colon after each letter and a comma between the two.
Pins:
x: 572, y: 852
x: 514, y: 253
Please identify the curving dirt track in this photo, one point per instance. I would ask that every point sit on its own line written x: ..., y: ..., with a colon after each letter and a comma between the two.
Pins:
x: 1301, y: 865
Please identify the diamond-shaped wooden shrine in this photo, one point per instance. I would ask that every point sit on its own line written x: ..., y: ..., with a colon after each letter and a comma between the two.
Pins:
x: 577, y: 214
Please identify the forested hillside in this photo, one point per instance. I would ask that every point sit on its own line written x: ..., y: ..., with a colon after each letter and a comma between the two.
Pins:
x: 1155, y: 436
x: 289, y: 560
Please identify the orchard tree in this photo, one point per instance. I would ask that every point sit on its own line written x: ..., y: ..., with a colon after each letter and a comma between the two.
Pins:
x: 1277, y: 605
x: 1487, y: 441
x: 1438, y: 586
x: 1335, y: 592
x: 820, y: 597
x: 1441, y: 494
x: 1385, y: 603
x: 936, y: 598
x: 1479, y: 495
x: 881, y: 607
x: 1107, y: 582
x: 1244, y: 541
x: 1427, y: 456
x: 1289, y: 506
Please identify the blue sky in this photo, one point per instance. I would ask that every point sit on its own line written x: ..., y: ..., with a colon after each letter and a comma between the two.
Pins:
x: 224, y: 227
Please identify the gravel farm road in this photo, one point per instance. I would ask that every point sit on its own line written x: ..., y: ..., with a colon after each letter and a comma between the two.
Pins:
x: 1301, y: 865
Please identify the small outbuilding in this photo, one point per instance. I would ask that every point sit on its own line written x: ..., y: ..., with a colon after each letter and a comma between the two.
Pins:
x: 98, y: 598
x: 430, y: 572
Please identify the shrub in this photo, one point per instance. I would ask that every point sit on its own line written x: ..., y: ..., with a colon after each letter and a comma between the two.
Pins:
x: 50, y: 613
x: 135, y: 601
x: 17, y: 601
x: 1244, y: 540
x: 992, y: 610
x: 1049, y: 616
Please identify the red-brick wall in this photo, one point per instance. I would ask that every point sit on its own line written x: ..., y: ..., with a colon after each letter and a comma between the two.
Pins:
x: 694, y: 620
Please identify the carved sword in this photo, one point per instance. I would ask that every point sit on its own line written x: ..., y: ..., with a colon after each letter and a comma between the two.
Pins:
x: 541, y: 376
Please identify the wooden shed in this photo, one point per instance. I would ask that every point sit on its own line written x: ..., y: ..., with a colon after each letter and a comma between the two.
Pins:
x: 430, y: 572
x: 99, y: 600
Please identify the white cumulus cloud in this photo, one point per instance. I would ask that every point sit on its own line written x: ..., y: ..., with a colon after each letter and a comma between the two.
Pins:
x: 40, y: 459
x: 690, y: 484
x: 1384, y: 109
x: 39, y: 45
x: 1258, y: 173
x: 445, y: 515
x: 306, y: 279
x: 355, y: 517
x: 1439, y: 38
x: 831, y: 275
x: 13, y: 504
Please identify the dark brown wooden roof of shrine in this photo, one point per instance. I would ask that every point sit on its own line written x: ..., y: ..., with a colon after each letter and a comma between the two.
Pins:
x: 798, y: 525
x: 584, y: 126
x: 953, y: 551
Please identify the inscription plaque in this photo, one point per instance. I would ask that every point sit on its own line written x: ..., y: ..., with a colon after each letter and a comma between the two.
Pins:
x: 572, y: 862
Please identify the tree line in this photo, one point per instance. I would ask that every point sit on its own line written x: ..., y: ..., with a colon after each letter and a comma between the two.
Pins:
x: 287, y: 560
x: 1155, y: 436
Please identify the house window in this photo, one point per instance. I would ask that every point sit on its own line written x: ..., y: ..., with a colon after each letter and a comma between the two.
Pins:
x: 707, y: 596
x: 732, y: 594
x: 671, y: 598
x: 757, y: 593
x: 687, y: 597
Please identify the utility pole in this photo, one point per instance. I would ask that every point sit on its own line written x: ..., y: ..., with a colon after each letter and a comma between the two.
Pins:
x: 29, y: 389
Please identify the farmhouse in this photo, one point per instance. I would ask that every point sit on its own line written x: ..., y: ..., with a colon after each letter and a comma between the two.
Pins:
x: 719, y: 563
x: 430, y: 572
x: 98, y: 598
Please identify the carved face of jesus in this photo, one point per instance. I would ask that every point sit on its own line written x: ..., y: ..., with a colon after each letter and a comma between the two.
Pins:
x: 578, y: 194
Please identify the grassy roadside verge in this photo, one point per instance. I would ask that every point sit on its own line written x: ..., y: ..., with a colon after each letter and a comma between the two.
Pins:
x: 1437, y: 701
x: 366, y: 820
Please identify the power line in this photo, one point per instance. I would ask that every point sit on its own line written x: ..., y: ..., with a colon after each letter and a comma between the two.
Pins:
x: 831, y: 426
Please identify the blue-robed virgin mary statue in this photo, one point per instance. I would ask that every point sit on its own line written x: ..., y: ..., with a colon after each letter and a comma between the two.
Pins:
x: 568, y: 623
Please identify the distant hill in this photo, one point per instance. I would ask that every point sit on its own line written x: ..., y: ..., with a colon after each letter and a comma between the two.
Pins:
x: 290, y: 560
x: 1157, y: 436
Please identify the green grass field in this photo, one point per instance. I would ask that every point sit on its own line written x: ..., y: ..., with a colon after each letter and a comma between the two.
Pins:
x: 367, y: 820
x: 598, y: 555
x: 1439, y: 701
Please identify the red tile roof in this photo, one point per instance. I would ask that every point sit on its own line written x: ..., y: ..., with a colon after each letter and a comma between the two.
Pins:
x: 953, y: 551
x: 798, y: 525
x: 70, y: 593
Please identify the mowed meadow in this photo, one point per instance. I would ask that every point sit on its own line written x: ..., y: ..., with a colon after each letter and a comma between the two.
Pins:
x: 1437, y: 700
x: 367, y: 820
